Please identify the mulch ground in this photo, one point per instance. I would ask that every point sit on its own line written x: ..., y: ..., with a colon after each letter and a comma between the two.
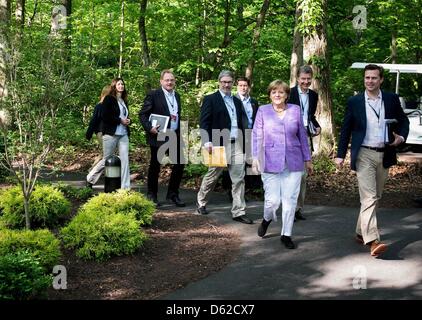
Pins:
x: 182, y: 248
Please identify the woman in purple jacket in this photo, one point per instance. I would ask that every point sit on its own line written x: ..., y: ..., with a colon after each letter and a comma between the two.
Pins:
x: 280, y: 153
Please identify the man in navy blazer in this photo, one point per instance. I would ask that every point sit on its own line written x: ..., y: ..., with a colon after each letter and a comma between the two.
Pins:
x: 221, y: 125
x: 307, y: 99
x: 163, y: 101
x: 372, y: 150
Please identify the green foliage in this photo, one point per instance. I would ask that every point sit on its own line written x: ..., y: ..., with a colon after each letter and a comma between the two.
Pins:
x: 99, y: 235
x: 122, y: 201
x: 75, y: 193
x: 47, y: 206
x: 194, y: 170
x: 40, y: 243
x: 323, y: 164
x: 22, y: 277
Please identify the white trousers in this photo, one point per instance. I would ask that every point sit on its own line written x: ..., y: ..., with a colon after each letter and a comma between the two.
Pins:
x: 110, y: 143
x: 281, y: 188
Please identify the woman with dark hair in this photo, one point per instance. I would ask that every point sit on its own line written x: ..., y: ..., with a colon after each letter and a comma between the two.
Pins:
x: 280, y: 152
x: 115, y: 129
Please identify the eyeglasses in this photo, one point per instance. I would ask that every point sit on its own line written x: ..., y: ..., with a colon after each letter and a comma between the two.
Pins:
x: 169, y: 80
x: 226, y: 82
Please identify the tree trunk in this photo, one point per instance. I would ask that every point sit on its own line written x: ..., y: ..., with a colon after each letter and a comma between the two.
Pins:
x: 201, y: 42
x: 256, y: 35
x: 226, y: 37
x: 146, y: 59
x: 296, y: 59
x: 4, y: 44
x: 26, y: 209
x: 122, y: 33
x: 315, y: 52
x: 20, y: 12
x: 394, y: 47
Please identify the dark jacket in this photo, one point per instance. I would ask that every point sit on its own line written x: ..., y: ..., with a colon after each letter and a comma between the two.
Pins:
x: 354, y: 125
x: 255, y: 106
x: 214, y: 115
x: 110, y: 115
x: 313, y: 101
x: 95, y: 122
x: 155, y: 102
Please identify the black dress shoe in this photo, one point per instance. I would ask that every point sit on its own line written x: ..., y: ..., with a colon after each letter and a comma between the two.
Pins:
x: 154, y: 199
x: 418, y: 201
x: 176, y: 200
x: 243, y: 219
x: 287, y: 241
x: 262, y: 229
x: 202, y: 210
x: 299, y: 215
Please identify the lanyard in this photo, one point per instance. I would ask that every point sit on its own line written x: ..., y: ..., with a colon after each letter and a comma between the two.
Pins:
x: 171, y: 104
x: 373, y: 109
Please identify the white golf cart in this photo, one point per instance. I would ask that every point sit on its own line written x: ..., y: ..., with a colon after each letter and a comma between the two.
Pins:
x: 413, y: 111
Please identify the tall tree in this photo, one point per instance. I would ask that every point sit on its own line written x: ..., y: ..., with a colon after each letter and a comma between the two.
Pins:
x: 20, y: 12
x: 4, y: 43
x: 122, y: 34
x: 256, y: 35
x: 314, y: 15
x: 146, y: 58
x: 296, y: 59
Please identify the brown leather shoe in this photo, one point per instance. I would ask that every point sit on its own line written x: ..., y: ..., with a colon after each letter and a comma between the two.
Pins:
x: 377, y: 248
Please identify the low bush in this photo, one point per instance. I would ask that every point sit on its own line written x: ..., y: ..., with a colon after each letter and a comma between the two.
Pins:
x: 122, y: 201
x: 22, y: 277
x: 47, y: 206
x: 99, y: 235
x: 323, y: 164
x: 69, y: 191
x: 42, y: 244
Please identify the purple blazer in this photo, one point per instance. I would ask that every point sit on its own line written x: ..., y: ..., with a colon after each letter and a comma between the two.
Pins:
x: 280, y: 143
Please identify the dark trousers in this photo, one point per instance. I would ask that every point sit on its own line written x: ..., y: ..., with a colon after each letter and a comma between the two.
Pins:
x: 154, y: 171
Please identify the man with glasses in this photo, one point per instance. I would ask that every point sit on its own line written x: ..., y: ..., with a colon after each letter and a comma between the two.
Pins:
x: 221, y: 125
x: 163, y: 101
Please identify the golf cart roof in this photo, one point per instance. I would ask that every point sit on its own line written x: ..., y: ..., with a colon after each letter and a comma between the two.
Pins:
x: 392, y: 67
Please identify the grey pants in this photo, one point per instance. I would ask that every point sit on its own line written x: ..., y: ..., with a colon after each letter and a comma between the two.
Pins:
x: 236, y: 158
x: 110, y: 143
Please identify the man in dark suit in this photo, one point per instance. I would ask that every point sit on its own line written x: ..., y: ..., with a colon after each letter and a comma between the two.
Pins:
x: 221, y: 125
x: 307, y: 99
x: 164, y: 101
x: 372, y: 151
x: 250, y: 107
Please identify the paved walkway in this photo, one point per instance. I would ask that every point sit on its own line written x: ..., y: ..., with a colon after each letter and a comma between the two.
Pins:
x: 328, y: 263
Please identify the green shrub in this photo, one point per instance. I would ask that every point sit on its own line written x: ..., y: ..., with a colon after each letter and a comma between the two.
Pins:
x: 323, y: 164
x: 47, y: 205
x: 40, y: 243
x: 99, y: 235
x: 122, y: 201
x: 75, y: 193
x: 22, y: 277
x: 195, y: 170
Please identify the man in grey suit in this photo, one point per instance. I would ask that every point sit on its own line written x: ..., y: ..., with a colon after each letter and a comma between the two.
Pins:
x: 250, y: 107
x: 221, y: 125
